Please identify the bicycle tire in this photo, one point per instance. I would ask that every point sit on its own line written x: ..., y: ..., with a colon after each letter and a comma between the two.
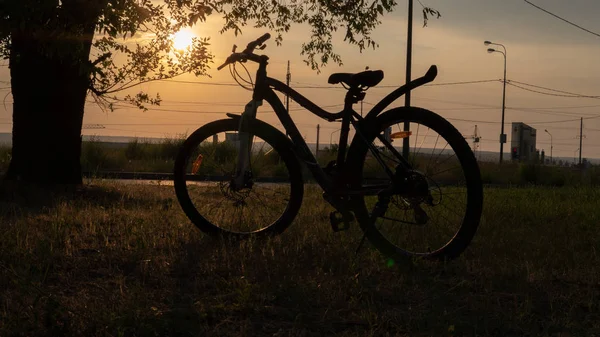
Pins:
x: 197, y: 213
x: 357, y: 156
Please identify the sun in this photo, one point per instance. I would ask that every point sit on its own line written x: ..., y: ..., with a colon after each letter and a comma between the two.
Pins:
x: 182, y: 39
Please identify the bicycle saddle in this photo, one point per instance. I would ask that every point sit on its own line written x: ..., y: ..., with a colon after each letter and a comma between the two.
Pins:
x: 369, y: 78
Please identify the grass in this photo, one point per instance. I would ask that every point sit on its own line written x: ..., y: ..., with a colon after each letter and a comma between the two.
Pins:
x: 123, y: 260
x: 140, y: 155
x: 534, y: 174
x: 5, y: 155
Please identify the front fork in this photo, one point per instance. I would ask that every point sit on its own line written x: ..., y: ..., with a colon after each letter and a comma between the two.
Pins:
x: 245, y: 145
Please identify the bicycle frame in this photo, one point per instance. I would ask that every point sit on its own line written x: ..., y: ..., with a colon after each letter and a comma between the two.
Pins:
x: 265, y: 88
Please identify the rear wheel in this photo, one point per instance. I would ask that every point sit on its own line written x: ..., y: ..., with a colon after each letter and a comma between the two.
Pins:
x: 432, y: 210
x: 272, y: 191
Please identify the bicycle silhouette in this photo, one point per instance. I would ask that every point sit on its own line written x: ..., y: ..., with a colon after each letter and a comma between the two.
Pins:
x: 240, y: 177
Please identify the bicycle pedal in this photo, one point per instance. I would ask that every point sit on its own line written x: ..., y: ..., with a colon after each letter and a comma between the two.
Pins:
x: 340, y: 221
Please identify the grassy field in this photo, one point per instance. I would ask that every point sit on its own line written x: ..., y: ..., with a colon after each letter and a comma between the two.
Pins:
x: 123, y: 260
x: 140, y: 155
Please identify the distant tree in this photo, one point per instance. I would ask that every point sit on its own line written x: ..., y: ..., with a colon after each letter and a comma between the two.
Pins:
x: 60, y: 51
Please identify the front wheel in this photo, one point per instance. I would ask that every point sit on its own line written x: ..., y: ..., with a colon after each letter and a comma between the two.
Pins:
x: 272, y: 190
x: 433, y: 208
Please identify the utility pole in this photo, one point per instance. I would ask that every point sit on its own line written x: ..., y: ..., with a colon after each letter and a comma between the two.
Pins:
x: 551, y: 146
x: 502, y: 135
x: 580, y: 139
x: 405, y: 141
x: 288, y: 77
x: 317, y: 151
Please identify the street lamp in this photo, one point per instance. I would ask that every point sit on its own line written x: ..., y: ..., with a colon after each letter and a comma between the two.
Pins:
x: 492, y: 50
x: 551, y: 162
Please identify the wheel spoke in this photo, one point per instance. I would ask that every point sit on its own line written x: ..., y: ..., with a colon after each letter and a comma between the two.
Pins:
x: 250, y: 209
x: 410, y: 224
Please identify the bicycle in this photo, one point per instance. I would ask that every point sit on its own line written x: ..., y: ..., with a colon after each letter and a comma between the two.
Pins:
x: 254, y: 176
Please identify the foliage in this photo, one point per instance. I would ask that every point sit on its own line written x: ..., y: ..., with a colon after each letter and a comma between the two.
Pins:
x: 120, y: 26
x: 135, y: 150
x: 427, y: 11
x: 530, y: 172
x: 107, y: 46
x: 169, y: 147
x: 96, y: 156
x: 132, y: 39
x: 93, y: 154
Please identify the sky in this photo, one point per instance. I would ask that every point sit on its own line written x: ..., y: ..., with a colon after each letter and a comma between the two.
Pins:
x: 541, y: 51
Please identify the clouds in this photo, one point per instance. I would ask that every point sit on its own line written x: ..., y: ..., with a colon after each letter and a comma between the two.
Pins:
x: 518, y: 22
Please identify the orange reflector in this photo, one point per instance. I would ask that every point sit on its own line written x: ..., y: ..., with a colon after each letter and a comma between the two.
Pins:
x: 400, y: 134
x: 197, y: 163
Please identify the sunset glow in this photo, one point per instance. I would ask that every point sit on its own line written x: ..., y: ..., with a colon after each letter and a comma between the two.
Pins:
x: 182, y: 39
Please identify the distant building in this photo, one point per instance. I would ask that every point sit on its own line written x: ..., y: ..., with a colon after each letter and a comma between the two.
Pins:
x: 523, y: 142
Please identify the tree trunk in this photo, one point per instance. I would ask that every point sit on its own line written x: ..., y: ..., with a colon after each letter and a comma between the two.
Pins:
x: 50, y: 80
x: 49, y: 98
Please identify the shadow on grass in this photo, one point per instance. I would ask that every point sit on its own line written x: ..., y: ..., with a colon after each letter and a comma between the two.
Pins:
x: 279, y: 297
x: 19, y: 199
x: 139, y: 270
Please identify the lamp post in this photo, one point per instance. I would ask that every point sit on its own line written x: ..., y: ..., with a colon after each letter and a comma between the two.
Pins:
x: 502, y: 135
x: 551, y: 162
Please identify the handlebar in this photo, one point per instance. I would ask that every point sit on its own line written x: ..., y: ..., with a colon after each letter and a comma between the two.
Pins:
x: 248, y: 53
x: 250, y: 47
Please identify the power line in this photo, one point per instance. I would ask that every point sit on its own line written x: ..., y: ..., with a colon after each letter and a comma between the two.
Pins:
x: 450, y: 102
x: 555, y: 113
x: 307, y: 124
x: 550, y: 94
x: 510, y: 82
x: 564, y: 107
x: 543, y: 143
x: 506, y: 123
x: 546, y: 88
x: 135, y: 131
x: 316, y: 86
x: 206, y: 103
x: 560, y: 18
x: 178, y: 110
x: 213, y: 112
x: 204, y: 83
x: 554, y: 90
x: 465, y: 109
x: 461, y: 83
x: 147, y: 124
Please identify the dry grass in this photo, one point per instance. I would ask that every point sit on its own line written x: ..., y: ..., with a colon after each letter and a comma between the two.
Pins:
x: 123, y: 260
